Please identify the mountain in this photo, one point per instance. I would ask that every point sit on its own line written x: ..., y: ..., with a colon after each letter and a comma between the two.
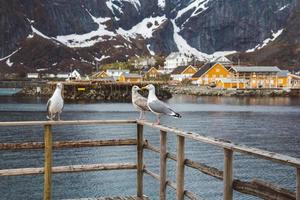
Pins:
x: 56, y: 35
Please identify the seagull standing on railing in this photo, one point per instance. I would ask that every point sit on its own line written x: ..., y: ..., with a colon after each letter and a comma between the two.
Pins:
x: 56, y: 103
x: 158, y: 107
x: 139, y: 102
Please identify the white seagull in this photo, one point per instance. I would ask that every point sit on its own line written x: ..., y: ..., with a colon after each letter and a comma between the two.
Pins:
x: 158, y: 107
x: 139, y: 102
x: 56, y: 103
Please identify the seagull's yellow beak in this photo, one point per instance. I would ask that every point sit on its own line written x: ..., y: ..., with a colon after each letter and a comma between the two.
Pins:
x: 144, y: 88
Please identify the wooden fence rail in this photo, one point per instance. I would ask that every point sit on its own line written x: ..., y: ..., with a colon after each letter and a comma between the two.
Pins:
x: 259, y: 188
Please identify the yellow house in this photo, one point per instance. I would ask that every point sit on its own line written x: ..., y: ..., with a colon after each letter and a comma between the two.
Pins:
x: 152, y: 73
x: 283, y: 79
x: 183, y: 72
x: 101, y: 74
x: 226, y: 83
x: 257, y: 76
x: 210, y: 73
x: 130, y: 78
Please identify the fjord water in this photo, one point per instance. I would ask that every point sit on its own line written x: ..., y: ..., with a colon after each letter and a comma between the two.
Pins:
x: 267, y: 123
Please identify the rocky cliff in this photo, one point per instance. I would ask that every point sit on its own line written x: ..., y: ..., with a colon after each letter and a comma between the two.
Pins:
x: 56, y: 35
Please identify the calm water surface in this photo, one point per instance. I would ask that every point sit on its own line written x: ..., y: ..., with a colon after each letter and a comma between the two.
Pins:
x: 268, y: 123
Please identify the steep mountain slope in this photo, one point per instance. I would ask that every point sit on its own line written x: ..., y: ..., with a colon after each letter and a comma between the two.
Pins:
x: 58, y: 34
x: 283, y: 51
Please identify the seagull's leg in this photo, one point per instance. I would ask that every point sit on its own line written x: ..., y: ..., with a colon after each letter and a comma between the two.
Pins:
x: 140, y: 117
x: 158, y: 120
x: 143, y: 115
x: 58, y: 116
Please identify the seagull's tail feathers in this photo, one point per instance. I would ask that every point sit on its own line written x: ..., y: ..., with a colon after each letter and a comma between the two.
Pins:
x: 176, y: 115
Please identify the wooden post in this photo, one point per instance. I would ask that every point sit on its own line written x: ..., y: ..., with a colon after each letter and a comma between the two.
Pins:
x: 47, y: 162
x: 163, y: 165
x: 180, y: 169
x: 139, y: 183
x: 227, y: 179
x: 298, y: 185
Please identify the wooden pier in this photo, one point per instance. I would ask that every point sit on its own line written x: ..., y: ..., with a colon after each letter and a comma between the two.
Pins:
x: 258, y: 188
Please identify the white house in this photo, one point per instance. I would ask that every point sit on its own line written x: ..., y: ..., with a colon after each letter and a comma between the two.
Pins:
x: 62, y: 75
x: 116, y: 73
x: 75, y: 75
x: 144, y: 62
x: 33, y: 75
x: 174, y: 60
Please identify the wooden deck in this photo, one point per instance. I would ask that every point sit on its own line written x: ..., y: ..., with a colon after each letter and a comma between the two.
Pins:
x: 114, y: 198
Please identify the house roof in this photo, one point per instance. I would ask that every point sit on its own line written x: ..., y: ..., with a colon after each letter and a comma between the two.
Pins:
x: 283, y: 73
x: 203, y: 69
x: 255, y: 69
x: 131, y: 75
x: 180, y: 69
x: 222, y: 59
x: 117, y: 70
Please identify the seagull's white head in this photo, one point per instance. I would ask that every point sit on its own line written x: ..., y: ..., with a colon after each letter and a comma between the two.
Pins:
x: 135, y: 88
x: 149, y: 87
x: 59, y: 85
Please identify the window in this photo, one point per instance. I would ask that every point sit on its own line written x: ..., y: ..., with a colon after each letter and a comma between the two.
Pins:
x: 221, y: 75
x: 217, y: 70
x: 214, y: 76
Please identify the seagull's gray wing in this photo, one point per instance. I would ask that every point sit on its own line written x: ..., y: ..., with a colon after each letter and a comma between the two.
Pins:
x: 141, y: 102
x: 158, y: 106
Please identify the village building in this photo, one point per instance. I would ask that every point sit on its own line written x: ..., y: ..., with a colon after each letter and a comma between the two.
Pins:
x: 210, y: 73
x: 174, y: 60
x: 152, y: 73
x: 146, y: 62
x: 116, y: 73
x: 283, y: 79
x: 227, y: 83
x: 33, y: 75
x: 130, y: 78
x: 183, y: 72
x: 62, y: 75
x: 224, y: 61
x: 294, y: 81
x: 257, y: 76
x: 100, y: 75
x: 74, y: 75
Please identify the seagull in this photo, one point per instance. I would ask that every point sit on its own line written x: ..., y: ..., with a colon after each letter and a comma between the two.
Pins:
x: 139, y: 102
x: 158, y: 107
x: 56, y: 103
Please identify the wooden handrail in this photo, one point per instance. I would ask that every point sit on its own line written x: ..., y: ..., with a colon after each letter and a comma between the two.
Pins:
x: 283, y: 159
x: 67, y: 122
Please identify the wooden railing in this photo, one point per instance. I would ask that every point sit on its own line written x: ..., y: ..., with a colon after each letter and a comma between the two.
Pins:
x: 257, y: 188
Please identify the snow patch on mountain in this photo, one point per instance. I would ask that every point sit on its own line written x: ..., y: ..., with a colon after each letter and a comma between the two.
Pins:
x: 145, y: 28
x: 103, y: 57
x: 283, y: 7
x: 150, y: 51
x: 183, y: 46
x: 112, y: 6
x: 198, y: 5
x: 266, y: 41
x: 8, y: 56
x: 161, y: 3
x: 34, y: 30
x: 87, y: 39
x: 9, y: 63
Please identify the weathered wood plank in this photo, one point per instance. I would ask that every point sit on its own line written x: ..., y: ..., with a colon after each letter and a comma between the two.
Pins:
x: 140, y: 157
x: 298, y: 184
x: 68, y: 169
x: 68, y: 144
x: 211, y: 171
x: 228, y: 175
x: 114, y: 198
x: 172, y: 184
x: 180, y: 168
x: 68, y: 122
x: 283, y: 159
x: 48, y: 162
x: 163, y: 165
x: 263, y: 190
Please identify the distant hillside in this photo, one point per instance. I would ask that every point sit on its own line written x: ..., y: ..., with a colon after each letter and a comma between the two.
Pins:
x: 56, y: 35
